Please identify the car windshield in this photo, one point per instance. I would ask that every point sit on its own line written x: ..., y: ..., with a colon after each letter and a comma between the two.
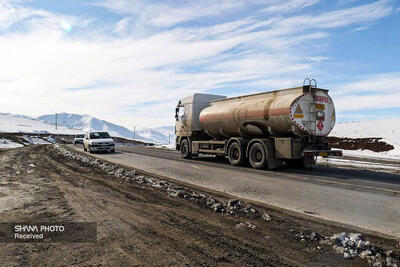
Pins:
x: 79, y: 136
x: 99, y: 135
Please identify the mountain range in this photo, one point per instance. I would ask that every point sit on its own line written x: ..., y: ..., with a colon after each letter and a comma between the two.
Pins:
x: 76, y: 123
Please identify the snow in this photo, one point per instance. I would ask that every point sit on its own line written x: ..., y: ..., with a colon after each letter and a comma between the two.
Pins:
x: 78, y: 124
x: 375, y: 166
x: 157, y: 135
x: 169, y: 146
x: 11, y: 123
x: 5, y: 143
x: 388, y: 129
x: 36, y: 140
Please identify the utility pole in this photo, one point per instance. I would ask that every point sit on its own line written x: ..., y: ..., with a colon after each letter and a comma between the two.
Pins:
x: 134, y: 132
x: 169, y: 138
x: 56, y: 121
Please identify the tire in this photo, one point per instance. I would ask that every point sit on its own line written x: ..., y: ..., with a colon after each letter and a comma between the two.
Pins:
x: 90, y: 150
x: 84, y: 148
x: 236, y: 154
x: 185, y: 152
x: 258, y: 156
x: 113, y: 151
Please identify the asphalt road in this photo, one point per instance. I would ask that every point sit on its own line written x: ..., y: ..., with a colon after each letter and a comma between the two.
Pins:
x: 361, y: 198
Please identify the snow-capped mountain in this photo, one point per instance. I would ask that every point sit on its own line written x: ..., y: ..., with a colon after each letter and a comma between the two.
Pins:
x: 165, y: 134
x: 12, y: 123
x: 76, y: 123
x: 86, y: 123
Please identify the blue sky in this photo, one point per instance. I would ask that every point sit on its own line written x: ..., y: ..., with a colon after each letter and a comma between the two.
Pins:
x: 129, y: 61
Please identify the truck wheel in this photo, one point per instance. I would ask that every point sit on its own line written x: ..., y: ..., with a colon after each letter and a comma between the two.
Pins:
x: 185, y: 152
x: 258, y: 156
x: 236, y: 154
x: 84, y: 148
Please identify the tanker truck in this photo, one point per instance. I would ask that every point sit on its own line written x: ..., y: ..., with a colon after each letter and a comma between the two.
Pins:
x: 268, y: 130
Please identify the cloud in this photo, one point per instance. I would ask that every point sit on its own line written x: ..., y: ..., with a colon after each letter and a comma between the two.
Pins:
x: 378, y: 83
x: 164, y: 15
x: 111, y: 73
x: 121, y: 26
x: 289, y: 6
x: 338, y: 18
x: 369, y: 93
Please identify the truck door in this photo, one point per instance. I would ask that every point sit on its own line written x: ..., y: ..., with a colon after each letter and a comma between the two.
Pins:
x: 181, y: 120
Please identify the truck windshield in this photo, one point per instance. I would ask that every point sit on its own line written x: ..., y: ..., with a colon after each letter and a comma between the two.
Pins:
x: 79, y: 136
x: 99, y: 135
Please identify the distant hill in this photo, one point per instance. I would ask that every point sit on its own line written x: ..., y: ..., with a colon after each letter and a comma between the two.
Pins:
x: 76, y: 123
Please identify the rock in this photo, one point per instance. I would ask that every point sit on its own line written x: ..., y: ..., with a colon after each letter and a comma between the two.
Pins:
x: 266, y: 217
x: 315, y: 236
x: 355, y: 237
x: 346, y: 255
x: 246, y: 224
x: 217, y: 207
x: 234, y: 203
x: 211, y: 201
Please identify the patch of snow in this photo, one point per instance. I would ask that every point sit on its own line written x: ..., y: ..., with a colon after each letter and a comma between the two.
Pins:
x: 5, y: 143
x: 169, y: 146
x: 390, y: 155
x: 378, y: 166
x: 35, y: 140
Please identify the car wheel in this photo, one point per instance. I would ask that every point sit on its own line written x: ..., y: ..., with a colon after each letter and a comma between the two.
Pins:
x: 84, y: 148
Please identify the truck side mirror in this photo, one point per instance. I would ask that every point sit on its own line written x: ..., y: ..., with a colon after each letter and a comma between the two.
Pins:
x: 176, y: 113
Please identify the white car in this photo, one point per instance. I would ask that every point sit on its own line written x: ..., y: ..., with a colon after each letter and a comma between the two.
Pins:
x: 98, y: 141
x: 79, y: 139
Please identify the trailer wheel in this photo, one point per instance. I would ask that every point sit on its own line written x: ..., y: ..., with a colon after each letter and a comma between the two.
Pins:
x: 258, y: 156
x: 185, y: 152
x: 236, y: 154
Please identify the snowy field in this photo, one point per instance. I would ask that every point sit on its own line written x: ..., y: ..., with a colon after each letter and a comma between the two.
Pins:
x: 388, y: 129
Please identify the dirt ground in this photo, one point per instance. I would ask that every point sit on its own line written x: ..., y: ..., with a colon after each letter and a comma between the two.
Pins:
x: 142, y: 226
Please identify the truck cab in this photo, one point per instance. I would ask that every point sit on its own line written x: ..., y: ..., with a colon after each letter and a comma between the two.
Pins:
x: 187, y: 113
